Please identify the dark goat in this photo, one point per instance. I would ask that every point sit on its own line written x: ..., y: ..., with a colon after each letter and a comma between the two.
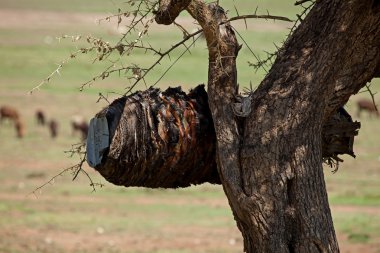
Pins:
x: 81, y: 127
x: 53, y: 127
x: 40, y: 117
x: 367, y: 105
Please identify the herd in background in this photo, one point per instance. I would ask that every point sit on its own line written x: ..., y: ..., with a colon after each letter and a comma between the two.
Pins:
x: 78, y: 124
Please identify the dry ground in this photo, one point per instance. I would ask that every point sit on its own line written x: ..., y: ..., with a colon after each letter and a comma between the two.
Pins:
x: 169, y: 237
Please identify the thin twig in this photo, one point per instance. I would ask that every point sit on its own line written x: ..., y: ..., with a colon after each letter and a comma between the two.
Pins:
x: 79, y: 167
x: 184, y: 31
x: 176, y: 60
x: 257, y: 16
x: 51, y: 180
x: 167, y: 52
x: 101, y: 96
x: 372, y: 95
x: 254, y: 55
x: 75, y: 169
x: 134, y: 22
x: 303, y: 1
x: 47, y: 79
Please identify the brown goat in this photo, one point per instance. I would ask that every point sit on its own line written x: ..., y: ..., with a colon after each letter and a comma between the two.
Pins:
x: 8, y: 112
x: 367, y: 105
x: 53, y: 127
x: 40, y: 117
x: 81, y: 127
x: 20, y: 128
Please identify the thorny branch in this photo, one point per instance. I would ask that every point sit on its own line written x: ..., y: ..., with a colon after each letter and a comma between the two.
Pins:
x: 270, y: 57
x: 76, y: 149
x: 174, y: 62
x: 266, y: 17
x: 368, y: 86
x: 303, y: 1
x: 162, y: 55
x: 372, y: 94
x: 49, y: 77
x: 75, y: 170
x: 125, y: 46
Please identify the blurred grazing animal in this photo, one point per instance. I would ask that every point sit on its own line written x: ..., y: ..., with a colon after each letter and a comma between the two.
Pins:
x: 76, y: 120
x: 82, y: 128
x: 367, y: 105
x: 40, y: 117
x: 8, y: 112
x: 20, y: 128
x: 78, y: 124
x: 53, y: 127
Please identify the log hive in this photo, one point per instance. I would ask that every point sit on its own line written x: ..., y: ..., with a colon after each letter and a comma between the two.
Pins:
x: 338, y: 136
x: 158, y: 139
x: 167, y: 140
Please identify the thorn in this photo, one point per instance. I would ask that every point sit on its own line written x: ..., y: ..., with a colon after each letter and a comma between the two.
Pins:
x: 237, y: 12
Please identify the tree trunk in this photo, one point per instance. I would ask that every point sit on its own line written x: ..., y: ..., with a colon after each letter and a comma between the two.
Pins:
x: 275, y: 186
x: 332, y: 54
x: 270, y: 166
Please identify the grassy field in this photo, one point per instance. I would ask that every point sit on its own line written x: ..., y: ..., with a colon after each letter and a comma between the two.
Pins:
x: 66, y: 216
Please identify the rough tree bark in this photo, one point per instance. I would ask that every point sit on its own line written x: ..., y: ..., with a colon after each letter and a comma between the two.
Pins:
x: 271, y: 171
x: 333, y: 53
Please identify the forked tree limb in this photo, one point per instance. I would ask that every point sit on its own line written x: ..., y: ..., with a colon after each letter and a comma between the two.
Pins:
x: 169, y: 10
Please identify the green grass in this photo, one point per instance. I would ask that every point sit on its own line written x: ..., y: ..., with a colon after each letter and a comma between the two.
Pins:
x: 69, y: 5
x: 359, y: 227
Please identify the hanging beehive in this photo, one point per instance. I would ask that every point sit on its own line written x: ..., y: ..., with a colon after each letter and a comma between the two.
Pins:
x: 166, y: 139
x: 155, y: 139
x: 338, y: 136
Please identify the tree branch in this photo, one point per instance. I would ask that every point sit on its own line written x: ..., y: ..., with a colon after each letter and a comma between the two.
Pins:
x: 302, y: 2
x: 222, y: 87
x: 162, y: 55
x: 169, y: 10
x: 266, y: 17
